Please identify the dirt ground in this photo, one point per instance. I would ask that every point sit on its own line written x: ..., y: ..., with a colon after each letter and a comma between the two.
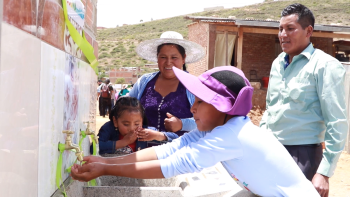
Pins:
x: 340, y: 182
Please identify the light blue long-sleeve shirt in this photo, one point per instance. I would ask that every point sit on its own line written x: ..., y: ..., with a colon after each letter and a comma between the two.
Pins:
x: 305, y: 104
x: 188, y: 124
x: 252, y: 156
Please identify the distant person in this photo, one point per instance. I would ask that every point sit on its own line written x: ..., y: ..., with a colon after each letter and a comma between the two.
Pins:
x: 106, y: 98
x: 112, y: 91
x: 118, y: 136
x: 99, y: 98
x: 166, y: 101
x: 305, y: 102
x: 124, y: 90
x: 252, y: 156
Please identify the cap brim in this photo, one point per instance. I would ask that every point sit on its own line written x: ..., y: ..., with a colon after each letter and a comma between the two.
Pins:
x: 194, y: 85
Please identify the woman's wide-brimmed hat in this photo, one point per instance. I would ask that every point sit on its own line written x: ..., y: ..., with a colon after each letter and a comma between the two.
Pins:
x: 148, y: 49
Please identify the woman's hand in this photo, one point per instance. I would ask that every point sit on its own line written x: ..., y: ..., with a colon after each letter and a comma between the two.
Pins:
x: 149, y: 135
x: 87, y: 172
x: 172, y: 123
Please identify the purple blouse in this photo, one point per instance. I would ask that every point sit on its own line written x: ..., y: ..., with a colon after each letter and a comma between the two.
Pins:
x: 157, y: 106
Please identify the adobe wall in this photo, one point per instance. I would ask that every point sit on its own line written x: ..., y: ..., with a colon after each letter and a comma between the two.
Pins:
x: 198, y: 33
x: 259, y: 51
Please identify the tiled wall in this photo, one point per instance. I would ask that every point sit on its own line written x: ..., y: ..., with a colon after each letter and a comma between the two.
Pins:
x: 45, y: 83
x: 19, y: 106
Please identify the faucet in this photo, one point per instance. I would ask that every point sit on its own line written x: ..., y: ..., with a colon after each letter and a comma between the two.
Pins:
x: 88, y: 132
x: 69, y: 145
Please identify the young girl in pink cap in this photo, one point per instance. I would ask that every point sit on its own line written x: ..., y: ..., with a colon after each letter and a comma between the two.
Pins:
x: 252, y: 156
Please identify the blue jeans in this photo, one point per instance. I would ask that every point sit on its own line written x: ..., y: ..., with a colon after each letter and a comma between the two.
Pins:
x: 112, y: 103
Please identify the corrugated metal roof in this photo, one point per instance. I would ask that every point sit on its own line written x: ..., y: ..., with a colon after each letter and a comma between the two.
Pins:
x: 217, y: 19
x: 264, y: 23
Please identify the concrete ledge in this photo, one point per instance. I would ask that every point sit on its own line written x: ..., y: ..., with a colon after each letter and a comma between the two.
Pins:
x: 73, y: 188
x: 124, y: 181
x: 121, y: 191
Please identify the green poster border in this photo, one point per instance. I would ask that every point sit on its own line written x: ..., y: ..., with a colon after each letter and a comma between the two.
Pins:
x: 81, y: 41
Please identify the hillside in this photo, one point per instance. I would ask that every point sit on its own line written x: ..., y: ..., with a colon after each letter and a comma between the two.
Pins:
x: 117, y: 45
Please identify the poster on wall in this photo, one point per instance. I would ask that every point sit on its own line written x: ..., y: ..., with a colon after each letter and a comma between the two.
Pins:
x: 71, y: 96
x: 76, y: 15
x: 76, y: 11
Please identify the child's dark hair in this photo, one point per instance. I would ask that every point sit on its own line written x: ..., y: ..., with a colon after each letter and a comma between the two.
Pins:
x: 130, y: 104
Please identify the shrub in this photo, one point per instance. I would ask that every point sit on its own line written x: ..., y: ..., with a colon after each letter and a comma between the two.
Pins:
x: 103, y: 55
x: 117, y: 61
x: 120, y: 81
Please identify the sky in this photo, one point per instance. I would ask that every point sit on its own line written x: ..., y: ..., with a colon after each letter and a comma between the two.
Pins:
x: 111, y: 13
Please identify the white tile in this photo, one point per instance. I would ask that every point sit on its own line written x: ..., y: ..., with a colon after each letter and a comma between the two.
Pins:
x: 19, y: 112
x: 51, y: 116
x: 93, y: 93
x: 65, y: 96
x: 1, y: 11
x: 84, y: 101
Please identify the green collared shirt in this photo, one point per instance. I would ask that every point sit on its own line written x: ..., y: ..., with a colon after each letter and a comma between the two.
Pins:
x: 305, y: 104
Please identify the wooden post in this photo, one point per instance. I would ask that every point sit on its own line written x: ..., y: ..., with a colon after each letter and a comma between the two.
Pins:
x: 226, y: 46
x: 240, y: 48
x: 211, y: 46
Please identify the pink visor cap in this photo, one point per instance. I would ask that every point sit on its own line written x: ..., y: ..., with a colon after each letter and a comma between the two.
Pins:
x: 214, y: 92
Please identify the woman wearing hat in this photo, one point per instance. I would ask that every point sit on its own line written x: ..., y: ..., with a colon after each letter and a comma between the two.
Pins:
x: 166, y: 101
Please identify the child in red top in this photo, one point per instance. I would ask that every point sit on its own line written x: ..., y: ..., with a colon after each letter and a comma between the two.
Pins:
x: 119, y: 134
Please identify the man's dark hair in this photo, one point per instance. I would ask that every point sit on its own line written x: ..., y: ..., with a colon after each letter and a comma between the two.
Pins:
x: 305, y: 16
x: 107, y: 81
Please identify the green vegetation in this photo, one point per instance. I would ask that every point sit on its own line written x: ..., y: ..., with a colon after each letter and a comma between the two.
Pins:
x: 120, y: 81
x: 117, y: 45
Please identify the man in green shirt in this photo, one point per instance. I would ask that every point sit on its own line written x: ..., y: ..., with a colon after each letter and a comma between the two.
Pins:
x: 305, y: 102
